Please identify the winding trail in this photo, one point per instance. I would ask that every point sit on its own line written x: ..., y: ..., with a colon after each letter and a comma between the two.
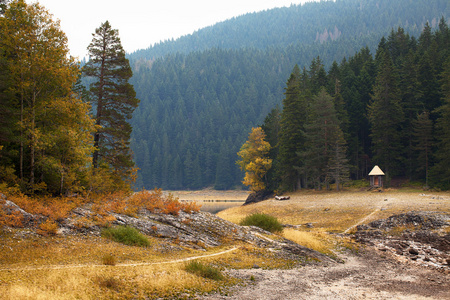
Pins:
x: 363, y: 220
x: 60, y: 267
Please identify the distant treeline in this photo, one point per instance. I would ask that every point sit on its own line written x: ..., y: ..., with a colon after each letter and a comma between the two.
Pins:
x: 356, y: 23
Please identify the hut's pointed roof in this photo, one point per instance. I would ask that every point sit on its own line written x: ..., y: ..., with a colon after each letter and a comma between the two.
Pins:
x: 376, y: 171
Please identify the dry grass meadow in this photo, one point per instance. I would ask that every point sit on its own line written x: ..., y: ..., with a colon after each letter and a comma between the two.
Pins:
x: 72, y: 267
x: 339, y: 211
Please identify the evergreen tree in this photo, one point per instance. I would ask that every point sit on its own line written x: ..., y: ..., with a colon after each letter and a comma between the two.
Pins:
x: 423, y: 128
x: 411, y: 105
x: 114, y: 101
x: 324, y: 140
x: 338, y: 166
x: 223, y: 178
x: 272, y: 126
x: 293, y: 118
x: 441, y: 170
x: 386, y: 116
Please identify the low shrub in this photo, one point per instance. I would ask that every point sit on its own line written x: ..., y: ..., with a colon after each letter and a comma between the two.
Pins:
x: 126, y: 235
x: 263, y: 221
x: 49, y: 227
x: 109, y: 260
x: 109, y: 282
x: 205, y: 271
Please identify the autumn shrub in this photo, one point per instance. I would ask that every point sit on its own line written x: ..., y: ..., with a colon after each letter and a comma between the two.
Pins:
x: 109, y: 282
x: 55, y: 208
x: 205, y: 271
x: 126, y: 235
x: 263, y: 221
x: 109, y: 260
x: 13, y: 219
x: 49, y: 227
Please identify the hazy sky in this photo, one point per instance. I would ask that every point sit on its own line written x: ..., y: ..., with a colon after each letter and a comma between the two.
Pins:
x: 142, y: 23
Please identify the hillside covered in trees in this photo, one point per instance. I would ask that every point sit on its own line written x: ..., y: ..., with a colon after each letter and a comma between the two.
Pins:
x: 201, y: 94
x: 392, y: 110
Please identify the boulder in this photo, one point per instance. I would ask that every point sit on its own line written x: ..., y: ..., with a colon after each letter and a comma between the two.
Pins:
x: 258, y: 196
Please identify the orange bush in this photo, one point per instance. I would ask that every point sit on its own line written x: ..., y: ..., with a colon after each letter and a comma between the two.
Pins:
x: 14, y: 219
x: 53, y: 208
x: 172, y: 207
x: 56, y: 209
x: 48, y: 227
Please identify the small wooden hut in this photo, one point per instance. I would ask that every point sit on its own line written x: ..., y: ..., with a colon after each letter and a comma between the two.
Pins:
x: 376, y: 179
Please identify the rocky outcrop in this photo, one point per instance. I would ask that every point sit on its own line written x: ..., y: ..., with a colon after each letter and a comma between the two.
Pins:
x: 418, y: 237
x: 11, y: 209
x: 198, y: 230
x: 259, y: 196
x: 426, y: 220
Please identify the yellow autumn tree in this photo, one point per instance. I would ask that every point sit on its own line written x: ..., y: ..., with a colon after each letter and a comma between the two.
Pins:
x: 52, y: 125
x: 254, y: 159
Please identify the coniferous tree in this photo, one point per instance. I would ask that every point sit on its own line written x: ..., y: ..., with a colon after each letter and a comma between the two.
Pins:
x: 324, y: 141
x: 441, y: 169
x: 386, y: 117
x: 412, y: 105
x: 338, y: 166
x: 422, y: 132
x: 113, y: 99
x: 293, y: 118
x: 223, y: 178
x: 271, y: 127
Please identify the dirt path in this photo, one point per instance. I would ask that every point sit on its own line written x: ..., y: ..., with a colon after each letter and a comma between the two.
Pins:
x: 363, y: 220
x: 364, y: 276
x: 59, y: 267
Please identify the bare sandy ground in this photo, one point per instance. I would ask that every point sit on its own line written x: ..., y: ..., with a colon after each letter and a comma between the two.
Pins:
x: 367, y: 275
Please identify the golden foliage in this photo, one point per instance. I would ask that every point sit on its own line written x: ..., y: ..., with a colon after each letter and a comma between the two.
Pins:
x: 49, y: 227
x: 254, y: 160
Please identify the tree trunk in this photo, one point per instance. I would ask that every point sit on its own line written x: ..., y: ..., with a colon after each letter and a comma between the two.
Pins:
x: 33, y: 141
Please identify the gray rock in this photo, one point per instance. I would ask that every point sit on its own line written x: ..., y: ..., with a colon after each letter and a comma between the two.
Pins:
x: 413, y: 251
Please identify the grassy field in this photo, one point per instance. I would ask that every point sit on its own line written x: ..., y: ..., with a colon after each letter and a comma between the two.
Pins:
x: 319, y: 214
x: 339, y: 211
x: 72, y: 267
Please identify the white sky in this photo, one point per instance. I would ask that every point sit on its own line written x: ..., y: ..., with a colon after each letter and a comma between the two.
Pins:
x: 143, y: 23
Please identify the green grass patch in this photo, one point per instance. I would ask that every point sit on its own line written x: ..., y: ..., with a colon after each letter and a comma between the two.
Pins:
x: 263, y: 221
x: 126, y: 235
x: 205, y: 271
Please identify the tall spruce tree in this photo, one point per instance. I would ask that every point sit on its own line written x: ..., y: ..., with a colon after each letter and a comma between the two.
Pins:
x: 293, y: 118
x: 271, y: 128
x: 386, y: 117
x: 113, y: 99
x: 324, y: 154
x: 441, y: 170
x: 422, y: 132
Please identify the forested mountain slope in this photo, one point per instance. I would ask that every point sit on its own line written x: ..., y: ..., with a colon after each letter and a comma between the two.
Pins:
x: 361, y: 22
x: 200, y: 95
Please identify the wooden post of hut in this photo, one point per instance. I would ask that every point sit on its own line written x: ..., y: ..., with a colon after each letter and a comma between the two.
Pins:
x: 376, y: 179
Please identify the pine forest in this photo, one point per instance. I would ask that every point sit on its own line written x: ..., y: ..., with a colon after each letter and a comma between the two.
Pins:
x: 202, y: 94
